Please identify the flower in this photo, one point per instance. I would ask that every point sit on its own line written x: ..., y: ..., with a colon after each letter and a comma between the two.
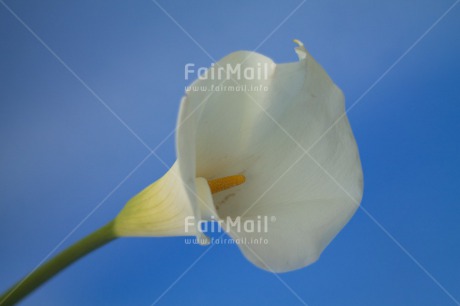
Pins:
x: 276, y: 137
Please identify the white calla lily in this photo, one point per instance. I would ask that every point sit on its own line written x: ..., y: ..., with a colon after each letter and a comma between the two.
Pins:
x: 287, y: 138
x: 275, y: 143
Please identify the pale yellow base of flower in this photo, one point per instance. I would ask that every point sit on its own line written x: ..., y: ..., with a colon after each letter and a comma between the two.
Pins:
x: 158, y: 210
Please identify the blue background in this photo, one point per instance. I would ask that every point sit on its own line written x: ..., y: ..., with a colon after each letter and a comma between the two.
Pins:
x: 63, y: 152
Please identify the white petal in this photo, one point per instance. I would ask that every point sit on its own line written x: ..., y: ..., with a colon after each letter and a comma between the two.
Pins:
x: 236, y: 132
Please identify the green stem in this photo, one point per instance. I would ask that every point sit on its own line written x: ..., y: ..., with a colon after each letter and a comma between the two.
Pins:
x: 44, y: 272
